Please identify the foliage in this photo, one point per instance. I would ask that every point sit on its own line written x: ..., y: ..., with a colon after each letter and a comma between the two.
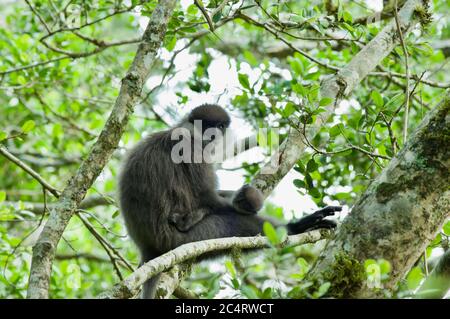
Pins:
x: 57, y: 90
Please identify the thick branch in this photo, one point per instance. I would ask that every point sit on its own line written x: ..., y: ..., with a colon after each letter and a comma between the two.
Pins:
x: 131, y: 284
x: 335, y: 87
x: 73, y: 194
x: 400, y: 213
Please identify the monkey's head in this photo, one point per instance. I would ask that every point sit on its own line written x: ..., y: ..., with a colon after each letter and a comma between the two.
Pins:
x: 210, y: 116
x: 209, y: 125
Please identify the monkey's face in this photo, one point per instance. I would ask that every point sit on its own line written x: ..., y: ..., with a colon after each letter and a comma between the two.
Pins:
x: 211, y: 131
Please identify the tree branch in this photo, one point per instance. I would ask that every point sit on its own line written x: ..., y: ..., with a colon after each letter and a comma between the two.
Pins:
x: 29, y: 170
x: 73, y: 194
x: 405, y: 52
x: 131, y: 284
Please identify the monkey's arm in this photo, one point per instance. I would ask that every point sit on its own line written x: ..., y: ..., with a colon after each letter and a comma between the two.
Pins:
x: 227, y: 194
x: 246, y: 201
x: 313, y: 221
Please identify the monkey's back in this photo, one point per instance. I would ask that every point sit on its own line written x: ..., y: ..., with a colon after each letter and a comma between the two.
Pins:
x: 152, y: 186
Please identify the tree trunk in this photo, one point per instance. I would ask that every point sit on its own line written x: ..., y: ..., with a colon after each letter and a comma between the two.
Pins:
x: 399, y: 214
x: 77, y: 187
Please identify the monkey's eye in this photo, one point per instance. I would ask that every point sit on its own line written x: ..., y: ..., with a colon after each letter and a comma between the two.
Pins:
x: 220, y: 126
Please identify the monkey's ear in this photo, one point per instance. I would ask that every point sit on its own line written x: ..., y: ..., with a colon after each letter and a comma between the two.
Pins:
x: 190, y: 118
x: 248, y: 200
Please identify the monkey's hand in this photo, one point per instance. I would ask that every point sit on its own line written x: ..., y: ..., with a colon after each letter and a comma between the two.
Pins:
x: 315, y: 220
x: 185, y: 221
x: 248, y: 200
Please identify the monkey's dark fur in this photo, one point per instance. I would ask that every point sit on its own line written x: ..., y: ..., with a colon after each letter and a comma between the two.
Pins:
x: 166, y: 205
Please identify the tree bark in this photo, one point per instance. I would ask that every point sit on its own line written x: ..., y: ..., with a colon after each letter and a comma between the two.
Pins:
x: 73, y: 194
x: 398, y: 215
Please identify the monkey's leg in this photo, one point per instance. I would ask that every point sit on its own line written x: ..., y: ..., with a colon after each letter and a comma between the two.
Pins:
x: 247, y: 201
x: 183, y: 221
x: 217, y: 226
x: 314, y: 221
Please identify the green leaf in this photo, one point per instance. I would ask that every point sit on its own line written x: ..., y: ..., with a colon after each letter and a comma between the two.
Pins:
x: 377, y: 98
x: 28, y: 126
x: 312, y: 76
x: 281, y: 234
x: 326, y: 101
x: 385, y: 266
x: 300, y: 89
x: 414, y: 278
x: 171, y: 44
x: 300, y: 167
x: 302, y: 262
x: 369, y: 262
x: 446, y: 228
x: 230, y: 267
x: 216, y: 17
x: 314, y: 192
x: 342, y: 196
x: 348, y: 27
x: 395, y: 101
x: 299, y: 183
x: 2, y: 196
x: 311, y: 166
x: 262, y: 139
x: 243, y: 79
x: 322, y: 290
x: 21, y: 80
x: 270, y: 233
x: 347, y: 17
x: 250, y: 58
x: 250, y: 292
x: 192, y: 9
x: 296, y: 66
x: 309, y: 181
x: 336, y: 130
x: 289, y: 109
x: 3, y: 135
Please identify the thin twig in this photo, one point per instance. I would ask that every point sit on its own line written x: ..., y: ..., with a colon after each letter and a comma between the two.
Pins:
x: 205, y: 14
x: 38, y: 16
x: 405, y: 52
x: 101, y: 241
x: 4, y: 151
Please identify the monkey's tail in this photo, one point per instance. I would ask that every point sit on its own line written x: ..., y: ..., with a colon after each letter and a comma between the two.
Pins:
x: 149, y: 287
